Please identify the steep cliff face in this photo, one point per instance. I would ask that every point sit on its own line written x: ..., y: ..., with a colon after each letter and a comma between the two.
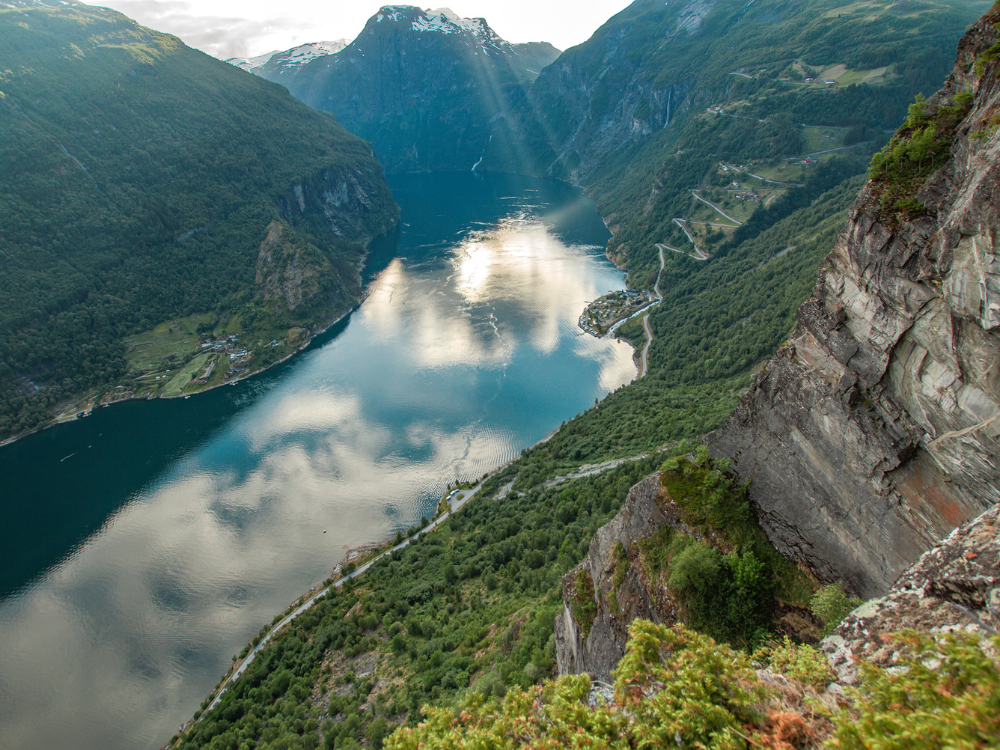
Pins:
x: 611, y: 587
x: 874, y: 431
x: 348, y: 204
x: 681, y: 549
x: 601, y: 95
x: 295, y: 276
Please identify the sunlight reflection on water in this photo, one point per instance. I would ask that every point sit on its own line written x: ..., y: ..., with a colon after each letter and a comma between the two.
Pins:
x: 465, y: 351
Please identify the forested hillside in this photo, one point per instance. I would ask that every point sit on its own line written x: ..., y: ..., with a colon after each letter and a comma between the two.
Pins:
x: 664, y: 94
x: 466, y: 615
x: 144, y: 183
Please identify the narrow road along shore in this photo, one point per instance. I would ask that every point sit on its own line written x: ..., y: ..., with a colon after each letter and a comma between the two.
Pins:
x: 456, y: 500
x: 643, y: 359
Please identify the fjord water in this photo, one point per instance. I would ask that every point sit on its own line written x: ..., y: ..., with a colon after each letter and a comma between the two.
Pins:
x: 145, y: 544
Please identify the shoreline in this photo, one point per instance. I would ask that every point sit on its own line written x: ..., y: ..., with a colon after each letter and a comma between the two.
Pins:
x: 90, y: 410
x: 456, y: 500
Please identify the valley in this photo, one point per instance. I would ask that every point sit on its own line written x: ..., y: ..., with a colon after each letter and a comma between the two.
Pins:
x: 769, y: 358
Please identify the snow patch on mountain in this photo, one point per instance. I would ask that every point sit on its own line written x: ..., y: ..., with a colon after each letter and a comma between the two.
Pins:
x: 446, y: 21
x: 306, y: 53
x: 439, y: 20
x: 290, y: 59
x: 250, y: 64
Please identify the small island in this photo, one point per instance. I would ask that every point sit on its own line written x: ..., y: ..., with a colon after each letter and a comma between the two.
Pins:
x: 601, y: 314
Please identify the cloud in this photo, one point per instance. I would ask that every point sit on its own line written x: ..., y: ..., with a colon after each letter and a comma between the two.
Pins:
x: 219, y: 35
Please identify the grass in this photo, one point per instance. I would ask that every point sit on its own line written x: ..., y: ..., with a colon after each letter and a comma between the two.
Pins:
x: 821, y: 139
x: 166, y: 344
x: 185, y: 375
x: 783, y: 171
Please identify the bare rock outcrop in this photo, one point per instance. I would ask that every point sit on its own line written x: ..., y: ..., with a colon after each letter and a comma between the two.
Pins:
x: 955, y: 587
x: 291, y: 272
x: 874, y: 431
x: 612, y: 586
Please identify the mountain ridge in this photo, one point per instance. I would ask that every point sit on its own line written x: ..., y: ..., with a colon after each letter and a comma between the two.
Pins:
x: 422, y: 86
x: 130, y: 205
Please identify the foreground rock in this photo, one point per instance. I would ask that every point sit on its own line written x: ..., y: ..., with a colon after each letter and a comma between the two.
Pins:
x: 953, y: 587
x: 596, y: 644
x: 874, y: 431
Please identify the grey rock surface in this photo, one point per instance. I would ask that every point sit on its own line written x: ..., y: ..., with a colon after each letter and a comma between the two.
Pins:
x: 873, y: 432
x: 646, y: 509
x: 954, y: 587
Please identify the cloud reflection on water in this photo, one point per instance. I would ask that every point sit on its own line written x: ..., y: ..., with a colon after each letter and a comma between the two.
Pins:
x: 456, y: 361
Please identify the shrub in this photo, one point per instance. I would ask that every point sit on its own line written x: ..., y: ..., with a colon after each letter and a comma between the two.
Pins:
x: 831, y: 605
x: 943, y: 693
x: 672, y: 688
x: 804, y: 664
x: 584, y: 605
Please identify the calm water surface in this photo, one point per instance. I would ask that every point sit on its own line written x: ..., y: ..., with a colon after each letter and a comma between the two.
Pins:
x: 144, y: 545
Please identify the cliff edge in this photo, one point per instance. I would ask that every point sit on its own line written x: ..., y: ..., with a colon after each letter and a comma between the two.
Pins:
x: 873, y: 432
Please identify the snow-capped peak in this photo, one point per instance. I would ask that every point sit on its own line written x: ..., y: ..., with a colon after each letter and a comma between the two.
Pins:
x: 290, y: 59
x: 296, y: 57
x: 250, y: 64
x: 440, y: 20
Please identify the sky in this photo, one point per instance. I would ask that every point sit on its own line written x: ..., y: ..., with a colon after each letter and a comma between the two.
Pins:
x: 246, y: 28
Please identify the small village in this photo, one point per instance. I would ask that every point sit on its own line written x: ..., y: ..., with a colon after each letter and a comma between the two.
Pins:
x: 605, y: 311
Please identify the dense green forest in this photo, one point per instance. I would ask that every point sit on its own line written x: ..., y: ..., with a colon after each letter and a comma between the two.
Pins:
x: 138, y: 179
x: 748, y: 60
x: 469, y: 609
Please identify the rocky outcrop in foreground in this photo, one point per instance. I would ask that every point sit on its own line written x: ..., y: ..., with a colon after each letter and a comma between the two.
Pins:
x: 599, y: 601
x: 874, y: 431
x: 954, y: 587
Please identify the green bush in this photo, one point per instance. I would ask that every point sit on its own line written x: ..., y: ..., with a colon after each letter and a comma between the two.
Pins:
x: 943, y: 693
x: 831, y: 605
x: 802, y: 663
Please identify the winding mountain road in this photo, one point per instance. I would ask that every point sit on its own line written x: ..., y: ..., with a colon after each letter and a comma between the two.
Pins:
x: 699, y: 255
x: 643, y: 366
x: 709, y: 203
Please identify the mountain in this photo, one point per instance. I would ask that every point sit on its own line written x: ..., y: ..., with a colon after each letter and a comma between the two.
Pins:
x: 875, y: 428
x: 250, y: 64
x: 664, y: 93
x: 153, y: 198
x: 282, y: 63
x: 870, y: 435
x: 422, y: 86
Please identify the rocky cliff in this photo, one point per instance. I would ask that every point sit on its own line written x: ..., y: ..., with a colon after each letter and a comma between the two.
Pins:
x: 353, y: 204
x: 599, y: 603
x: 954, y: 587
x: 873, y: 432
x: 636, y: 564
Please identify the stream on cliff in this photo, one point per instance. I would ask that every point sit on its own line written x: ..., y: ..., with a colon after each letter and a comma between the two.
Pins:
x: 146, y: 544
